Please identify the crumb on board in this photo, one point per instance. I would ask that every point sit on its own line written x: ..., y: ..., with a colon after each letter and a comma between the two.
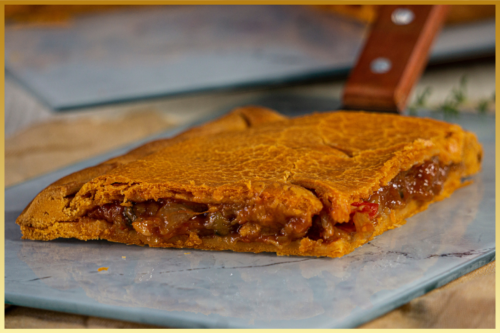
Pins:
x: 100, y: 269
x: 187, y: 252
x: 124, y: 257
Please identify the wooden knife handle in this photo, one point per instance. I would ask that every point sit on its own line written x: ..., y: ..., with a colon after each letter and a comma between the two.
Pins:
x: 393, y: 57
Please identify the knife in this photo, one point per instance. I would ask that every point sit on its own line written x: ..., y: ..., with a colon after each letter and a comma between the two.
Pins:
x: 393, y: 58
x: 390, y: 63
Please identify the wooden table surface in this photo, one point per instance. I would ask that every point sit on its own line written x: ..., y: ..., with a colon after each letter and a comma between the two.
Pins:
x: 39, y: 141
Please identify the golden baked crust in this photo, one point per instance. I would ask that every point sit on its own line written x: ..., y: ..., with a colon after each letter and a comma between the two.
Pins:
x: 254, y: 157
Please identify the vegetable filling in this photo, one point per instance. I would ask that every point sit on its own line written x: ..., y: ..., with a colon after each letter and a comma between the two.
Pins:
x: 168, y: 219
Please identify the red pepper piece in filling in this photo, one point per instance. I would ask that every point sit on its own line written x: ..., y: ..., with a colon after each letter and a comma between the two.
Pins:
x: 366, y: 207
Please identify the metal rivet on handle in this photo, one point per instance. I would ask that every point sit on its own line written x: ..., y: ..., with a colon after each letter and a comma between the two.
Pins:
x: 402, y: 16
x: 380, y: 65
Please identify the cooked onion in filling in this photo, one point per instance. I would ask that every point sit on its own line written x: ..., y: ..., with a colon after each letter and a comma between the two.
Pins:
x: 168, y: 218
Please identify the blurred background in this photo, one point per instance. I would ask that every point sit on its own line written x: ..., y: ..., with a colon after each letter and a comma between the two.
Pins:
x: 84, y: 80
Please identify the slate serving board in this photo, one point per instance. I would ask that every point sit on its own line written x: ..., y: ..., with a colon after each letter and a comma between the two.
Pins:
x: 190, y: 288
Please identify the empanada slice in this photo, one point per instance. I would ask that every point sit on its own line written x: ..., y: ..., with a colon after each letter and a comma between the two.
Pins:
x: 254, y: 181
